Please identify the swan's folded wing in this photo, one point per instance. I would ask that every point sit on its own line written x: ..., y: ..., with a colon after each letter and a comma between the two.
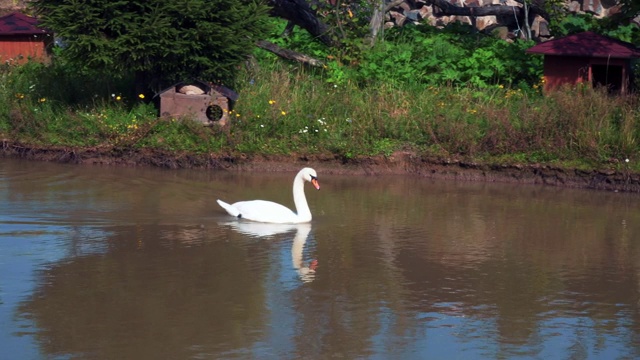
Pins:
x: 265, y: 211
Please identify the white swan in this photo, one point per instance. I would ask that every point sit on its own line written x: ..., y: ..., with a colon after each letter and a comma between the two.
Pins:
x: 271, y: 212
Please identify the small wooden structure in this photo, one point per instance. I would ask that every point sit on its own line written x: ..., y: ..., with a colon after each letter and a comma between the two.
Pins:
x: 204, y: 102
x: 587, y: 58
x: 21, y: 39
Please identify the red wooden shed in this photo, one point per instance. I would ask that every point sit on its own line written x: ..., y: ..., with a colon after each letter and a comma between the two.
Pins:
x: 587, y: 58
x: 21, y: 39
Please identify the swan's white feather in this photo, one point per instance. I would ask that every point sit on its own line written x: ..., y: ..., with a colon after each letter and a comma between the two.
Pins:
x: 230, y: 209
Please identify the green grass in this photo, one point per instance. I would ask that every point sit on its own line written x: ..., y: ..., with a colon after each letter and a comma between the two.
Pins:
x: 284, y: 110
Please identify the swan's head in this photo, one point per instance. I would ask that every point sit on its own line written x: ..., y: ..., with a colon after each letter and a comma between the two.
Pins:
x: 308, y: 174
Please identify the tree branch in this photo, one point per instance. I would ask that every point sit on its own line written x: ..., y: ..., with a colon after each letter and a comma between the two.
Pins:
x: 446, y: 9
x: 289, y: 54
x: 300, y: 13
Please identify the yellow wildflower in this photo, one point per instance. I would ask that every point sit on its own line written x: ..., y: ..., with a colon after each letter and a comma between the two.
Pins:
x: 141, y: 96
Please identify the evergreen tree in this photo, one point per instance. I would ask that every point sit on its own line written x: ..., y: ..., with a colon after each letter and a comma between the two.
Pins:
x: 161, y: 41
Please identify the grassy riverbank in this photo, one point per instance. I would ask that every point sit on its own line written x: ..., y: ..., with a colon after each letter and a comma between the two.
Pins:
x: 285, y: 110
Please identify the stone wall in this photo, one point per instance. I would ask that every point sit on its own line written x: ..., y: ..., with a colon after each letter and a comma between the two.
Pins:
x: 421, y: 11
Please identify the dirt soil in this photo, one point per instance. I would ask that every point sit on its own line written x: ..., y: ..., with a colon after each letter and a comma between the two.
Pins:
x: 398, y: 163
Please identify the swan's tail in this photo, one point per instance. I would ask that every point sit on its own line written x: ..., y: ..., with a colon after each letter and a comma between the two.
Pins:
x: 230, y: 209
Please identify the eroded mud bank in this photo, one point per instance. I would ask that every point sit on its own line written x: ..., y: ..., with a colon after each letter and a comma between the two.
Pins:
x: 398, y: 163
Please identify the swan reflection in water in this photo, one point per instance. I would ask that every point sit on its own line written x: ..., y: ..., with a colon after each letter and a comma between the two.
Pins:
x: 305, y: 273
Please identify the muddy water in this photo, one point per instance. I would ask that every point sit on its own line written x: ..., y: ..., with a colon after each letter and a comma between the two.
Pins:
x: 118, y: 263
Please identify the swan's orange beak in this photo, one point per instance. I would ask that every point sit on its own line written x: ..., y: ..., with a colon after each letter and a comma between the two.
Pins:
x: 313, y: 265
x: 315, y: 183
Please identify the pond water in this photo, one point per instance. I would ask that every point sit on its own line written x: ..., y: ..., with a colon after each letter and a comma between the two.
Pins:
x: 132, y: 263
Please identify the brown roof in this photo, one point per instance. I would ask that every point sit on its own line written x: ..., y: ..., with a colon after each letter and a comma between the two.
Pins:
x: 19, y: 23
x: 587, y: 44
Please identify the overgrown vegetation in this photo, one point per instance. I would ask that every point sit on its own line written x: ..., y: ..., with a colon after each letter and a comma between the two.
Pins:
x: 497, y: 124
x: 423, y: 55
x: 448, y: 94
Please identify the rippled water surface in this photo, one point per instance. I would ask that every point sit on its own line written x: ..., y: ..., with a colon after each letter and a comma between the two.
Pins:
x: 122, y: 263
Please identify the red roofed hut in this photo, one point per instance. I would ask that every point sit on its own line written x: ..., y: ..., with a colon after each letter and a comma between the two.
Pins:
x: 587, y: 58
x: 21, y: 39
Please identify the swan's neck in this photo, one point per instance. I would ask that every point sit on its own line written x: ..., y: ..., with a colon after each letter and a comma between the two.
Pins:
x: 300, y: 200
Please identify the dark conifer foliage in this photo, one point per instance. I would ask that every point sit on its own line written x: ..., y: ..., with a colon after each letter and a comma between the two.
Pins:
x: 160, y: 41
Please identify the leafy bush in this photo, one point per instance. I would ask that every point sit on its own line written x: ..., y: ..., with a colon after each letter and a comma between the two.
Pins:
x: 575, y: 23
x: 453, y: 56
x: 424, y: 55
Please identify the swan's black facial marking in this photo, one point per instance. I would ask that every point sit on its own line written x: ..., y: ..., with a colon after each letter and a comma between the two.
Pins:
x: 239, y: 216
x: 313, y: 177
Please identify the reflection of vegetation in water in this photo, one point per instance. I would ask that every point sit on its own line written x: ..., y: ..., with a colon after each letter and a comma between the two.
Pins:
x: 521, y: 257
x: 165, y: 300
x: 401, y: 258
